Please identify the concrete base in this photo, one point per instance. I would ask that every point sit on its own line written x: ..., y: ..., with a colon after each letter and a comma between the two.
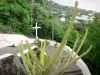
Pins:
x: 8, y: 65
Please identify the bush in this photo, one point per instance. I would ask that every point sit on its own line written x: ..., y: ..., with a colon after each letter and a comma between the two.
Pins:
x: 59, y: 34
x: 92, y: 59
x: 17, y: 15
x: 1, y: 27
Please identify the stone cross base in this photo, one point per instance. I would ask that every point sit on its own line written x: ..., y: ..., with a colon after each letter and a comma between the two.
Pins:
x: 8, y: 65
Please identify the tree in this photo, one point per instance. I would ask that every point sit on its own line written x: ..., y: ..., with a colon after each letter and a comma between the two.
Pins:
x: 15, y: 13
x: 92, y: 59
x: 43, y: 17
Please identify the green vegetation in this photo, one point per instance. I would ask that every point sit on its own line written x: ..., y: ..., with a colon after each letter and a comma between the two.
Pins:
x: 16, y: 14
x: 92, y: 59
x: 43, y: 18
x: 1, y: 27
x: 46, y: 19
x: 44, y: 65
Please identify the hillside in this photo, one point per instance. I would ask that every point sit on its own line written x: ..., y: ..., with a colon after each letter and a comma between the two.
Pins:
x: 64, y: 12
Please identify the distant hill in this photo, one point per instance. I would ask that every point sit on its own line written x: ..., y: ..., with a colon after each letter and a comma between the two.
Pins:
x: 65, y: 12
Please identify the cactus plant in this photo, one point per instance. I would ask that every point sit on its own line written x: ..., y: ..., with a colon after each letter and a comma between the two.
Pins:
x: 44, y: 65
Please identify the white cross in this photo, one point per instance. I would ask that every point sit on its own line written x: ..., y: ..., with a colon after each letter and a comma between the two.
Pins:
x: 36, y: 28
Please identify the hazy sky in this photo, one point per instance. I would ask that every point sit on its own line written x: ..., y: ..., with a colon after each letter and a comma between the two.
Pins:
x: 85, y: 4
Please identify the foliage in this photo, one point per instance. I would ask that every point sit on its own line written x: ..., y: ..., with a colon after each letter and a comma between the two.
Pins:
x: 92, y: 59
x: 16, y: 14
x: 61, y: 30
x: 40, y: 1
x: 1, y: 27
x: 36, y: 66
x: 43, y: 17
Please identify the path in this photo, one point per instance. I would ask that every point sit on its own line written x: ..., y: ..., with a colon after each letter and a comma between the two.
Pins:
x: 10, y: 39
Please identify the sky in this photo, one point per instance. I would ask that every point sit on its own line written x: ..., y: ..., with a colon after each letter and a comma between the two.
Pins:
x: 84, y: 4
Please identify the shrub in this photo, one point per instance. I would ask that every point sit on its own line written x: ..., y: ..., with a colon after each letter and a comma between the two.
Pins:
x: 93, y: 38
x: 16, y: 14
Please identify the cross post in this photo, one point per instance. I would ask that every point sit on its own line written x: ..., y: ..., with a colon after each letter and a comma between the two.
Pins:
x: 36, y: 28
